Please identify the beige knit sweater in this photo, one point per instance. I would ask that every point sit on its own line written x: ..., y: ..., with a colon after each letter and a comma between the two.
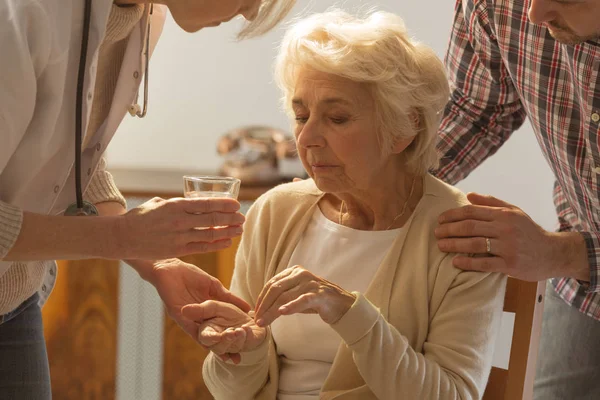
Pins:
x: 23, y: 279
x: 422, y: 330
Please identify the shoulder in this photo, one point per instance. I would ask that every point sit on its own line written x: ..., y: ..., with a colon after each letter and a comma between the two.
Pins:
x: 440, y: 196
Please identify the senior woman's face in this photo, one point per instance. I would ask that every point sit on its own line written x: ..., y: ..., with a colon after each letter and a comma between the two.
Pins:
x: 335, y: 131
x: 193, y: 15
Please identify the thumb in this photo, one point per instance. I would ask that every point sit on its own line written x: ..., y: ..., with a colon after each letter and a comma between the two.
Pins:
x: 226, y: 296
x: 487, y: 200
x: 201, y: 312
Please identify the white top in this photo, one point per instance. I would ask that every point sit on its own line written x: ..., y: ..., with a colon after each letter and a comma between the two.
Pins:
x: 305, y: 344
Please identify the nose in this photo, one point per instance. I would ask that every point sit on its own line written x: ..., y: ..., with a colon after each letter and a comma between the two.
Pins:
x: 310, y: 136
x: 251, y: 11
x: 541, y: 11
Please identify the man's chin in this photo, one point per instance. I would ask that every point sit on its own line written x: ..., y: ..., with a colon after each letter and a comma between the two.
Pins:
x: 569, y: 38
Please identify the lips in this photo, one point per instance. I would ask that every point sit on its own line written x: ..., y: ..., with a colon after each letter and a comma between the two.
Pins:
x: 318, y: 168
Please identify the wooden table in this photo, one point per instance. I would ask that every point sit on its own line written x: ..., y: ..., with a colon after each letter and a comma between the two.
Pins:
x: 81, y: 316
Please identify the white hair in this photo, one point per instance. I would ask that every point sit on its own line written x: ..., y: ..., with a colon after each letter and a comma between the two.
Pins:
x: 407, y: 80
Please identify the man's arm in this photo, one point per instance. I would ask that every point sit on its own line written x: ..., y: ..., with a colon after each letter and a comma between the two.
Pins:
x: 484, y: 107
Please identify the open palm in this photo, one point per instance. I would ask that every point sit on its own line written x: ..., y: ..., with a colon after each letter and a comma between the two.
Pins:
x: 179, y: 284
x: 224, y: 328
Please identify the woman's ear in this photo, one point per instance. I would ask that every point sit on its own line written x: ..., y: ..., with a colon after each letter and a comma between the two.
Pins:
x: 402, y: 144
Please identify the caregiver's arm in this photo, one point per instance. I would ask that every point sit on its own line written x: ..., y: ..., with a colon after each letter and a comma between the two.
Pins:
x: 457, y: 355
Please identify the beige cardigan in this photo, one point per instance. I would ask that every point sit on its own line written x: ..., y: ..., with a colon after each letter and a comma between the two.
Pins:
x: 423, y: 329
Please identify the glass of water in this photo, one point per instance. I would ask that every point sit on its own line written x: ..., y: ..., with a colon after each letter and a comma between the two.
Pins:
x: 210, y: 186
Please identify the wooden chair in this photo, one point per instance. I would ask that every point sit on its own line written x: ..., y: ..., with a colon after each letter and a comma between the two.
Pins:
x: 525, y: 299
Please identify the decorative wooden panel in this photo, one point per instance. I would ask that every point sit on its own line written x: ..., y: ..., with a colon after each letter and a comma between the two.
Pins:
x: 80, y: 321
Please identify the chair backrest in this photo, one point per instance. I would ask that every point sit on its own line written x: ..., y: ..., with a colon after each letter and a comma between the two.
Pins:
x: 526, y: 301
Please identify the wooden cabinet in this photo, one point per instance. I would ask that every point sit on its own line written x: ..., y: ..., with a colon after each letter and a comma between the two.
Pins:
x: 81, y: 328
x: 81, y: 325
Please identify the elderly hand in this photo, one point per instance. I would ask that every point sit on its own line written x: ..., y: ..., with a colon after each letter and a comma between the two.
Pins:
x: 225, y: 329
x: 517, y: 246
x: 176, y: 227
x: 296, y: 290
x: 179, y: 284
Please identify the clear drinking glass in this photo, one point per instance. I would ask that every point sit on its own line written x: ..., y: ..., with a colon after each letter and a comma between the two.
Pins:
x: 211, y: 186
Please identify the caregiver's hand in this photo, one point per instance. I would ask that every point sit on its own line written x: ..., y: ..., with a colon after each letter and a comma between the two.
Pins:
x: 179, y: 284
x: 176, y: 227
x: 224, y: 329
x: 509, y: 241
x: 296, y: 290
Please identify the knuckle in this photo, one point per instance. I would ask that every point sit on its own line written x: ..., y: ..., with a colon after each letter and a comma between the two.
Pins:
x: 468, y: 227
x: 468, y: 211
x: 210, y: 235
x: 506, y: 214
x: 214, y: 219
x: 304, y: 273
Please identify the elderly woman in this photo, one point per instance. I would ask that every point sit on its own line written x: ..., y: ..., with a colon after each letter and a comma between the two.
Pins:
x: 355, y: 244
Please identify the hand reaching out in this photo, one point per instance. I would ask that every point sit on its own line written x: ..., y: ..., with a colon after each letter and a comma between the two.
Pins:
x: 225, y: 329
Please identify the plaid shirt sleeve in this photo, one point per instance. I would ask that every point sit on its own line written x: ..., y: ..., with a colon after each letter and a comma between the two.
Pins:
x: 567, y: 222
x: 484, y: 108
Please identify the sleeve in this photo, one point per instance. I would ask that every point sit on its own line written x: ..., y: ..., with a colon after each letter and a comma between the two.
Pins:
x: 484, y: 107
x: 25, y: 47
x: 102, y: 187
x: 226, y: 380
x: 567, y: 220
x: 456, y: 357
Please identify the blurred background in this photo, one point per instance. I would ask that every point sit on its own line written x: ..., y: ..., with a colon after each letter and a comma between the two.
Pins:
x: 116, y: 342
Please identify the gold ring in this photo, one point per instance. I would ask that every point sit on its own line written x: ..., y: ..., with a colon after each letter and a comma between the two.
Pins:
x: 488, y: 246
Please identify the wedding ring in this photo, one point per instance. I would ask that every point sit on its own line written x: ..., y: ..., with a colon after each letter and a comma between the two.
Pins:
x: 488, y: 246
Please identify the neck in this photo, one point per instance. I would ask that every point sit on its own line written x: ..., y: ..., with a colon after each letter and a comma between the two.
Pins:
x: 381, y: 204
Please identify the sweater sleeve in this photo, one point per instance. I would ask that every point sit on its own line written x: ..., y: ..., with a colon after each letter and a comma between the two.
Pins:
x: 226, y: 380
x: 456, y: 357
x: 102, y: 187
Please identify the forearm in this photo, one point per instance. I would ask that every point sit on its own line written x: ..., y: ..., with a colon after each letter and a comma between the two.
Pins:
x: 378, y: 347
x: 44, y: 237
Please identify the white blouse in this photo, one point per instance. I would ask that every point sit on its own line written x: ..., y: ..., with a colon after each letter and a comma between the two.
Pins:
x: 305, y: 344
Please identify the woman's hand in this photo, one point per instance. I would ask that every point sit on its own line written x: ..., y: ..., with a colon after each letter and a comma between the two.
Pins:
x: 225, y: 329
x: 297, y: 290
x: 160, y: 229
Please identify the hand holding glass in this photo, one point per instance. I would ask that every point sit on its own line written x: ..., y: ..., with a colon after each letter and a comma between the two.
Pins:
x: 205, y: 187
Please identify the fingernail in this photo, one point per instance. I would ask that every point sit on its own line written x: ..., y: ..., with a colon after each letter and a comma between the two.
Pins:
x: 238, y: 230
x: 260, y: 322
